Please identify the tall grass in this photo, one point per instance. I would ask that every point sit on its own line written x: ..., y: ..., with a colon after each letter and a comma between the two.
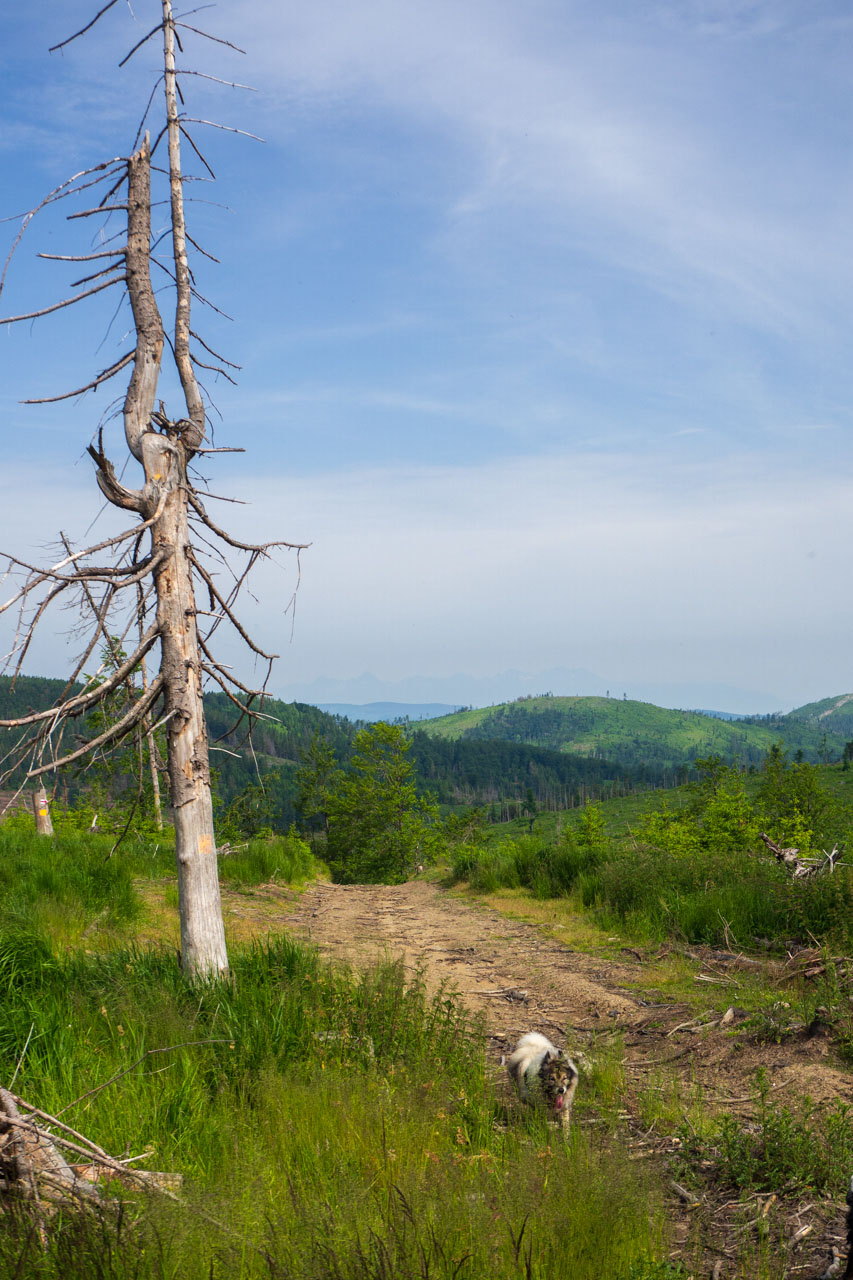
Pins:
x: 78, y: 888
x: 62, y: 885
x: 706, y: 896
x: 711, y: 896
x: 264, y: 858
x: 549, y: 869
x: 328, y: 1125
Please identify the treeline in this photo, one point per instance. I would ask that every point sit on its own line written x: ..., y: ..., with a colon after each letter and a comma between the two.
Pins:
x: 506, y: 778
x: 283, y: 731
x: 28, y: 693
x: 272, y: 746
x: 255, y: 762
x: 493, y: 771
x: 241, y: 748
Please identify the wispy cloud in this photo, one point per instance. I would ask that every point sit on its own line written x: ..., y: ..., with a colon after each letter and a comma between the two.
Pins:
x: 631, y: 140
x: 655, y: 564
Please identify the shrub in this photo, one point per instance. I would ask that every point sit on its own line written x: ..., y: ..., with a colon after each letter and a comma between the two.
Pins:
x: 786, y: 1149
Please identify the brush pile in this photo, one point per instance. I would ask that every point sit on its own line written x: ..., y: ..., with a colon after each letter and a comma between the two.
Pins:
x: 34, y: 1168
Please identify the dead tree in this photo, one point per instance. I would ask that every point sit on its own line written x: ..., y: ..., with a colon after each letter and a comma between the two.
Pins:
x: 151, y: 569
x: 799, y: 866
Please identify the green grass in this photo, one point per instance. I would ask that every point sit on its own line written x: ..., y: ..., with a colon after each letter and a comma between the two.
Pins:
x: 336, y: 1127
x: 685, y: 864
x: 63, y: 886
x: 327, y: 1124
x: 286, y: 859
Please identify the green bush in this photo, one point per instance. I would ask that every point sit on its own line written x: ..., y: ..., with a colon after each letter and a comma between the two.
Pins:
x: 710, y: 897
x: 786, y: 1149
x: 287, y: 859
x: 706, y: 896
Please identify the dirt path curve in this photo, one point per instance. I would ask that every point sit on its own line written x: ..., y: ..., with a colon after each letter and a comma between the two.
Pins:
x: 519, y: 978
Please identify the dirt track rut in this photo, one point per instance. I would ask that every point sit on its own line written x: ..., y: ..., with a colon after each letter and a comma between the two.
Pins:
x: 505, y: 968
x: 522, y: 980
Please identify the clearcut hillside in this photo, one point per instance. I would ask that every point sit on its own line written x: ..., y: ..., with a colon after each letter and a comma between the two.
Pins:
x: 632, y: 733
x: 830, y: 715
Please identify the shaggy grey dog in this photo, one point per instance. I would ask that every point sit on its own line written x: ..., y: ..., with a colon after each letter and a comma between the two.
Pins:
x: 542, y: 1072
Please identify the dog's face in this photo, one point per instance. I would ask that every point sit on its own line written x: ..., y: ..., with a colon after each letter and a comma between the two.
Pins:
x: 558, y: 1079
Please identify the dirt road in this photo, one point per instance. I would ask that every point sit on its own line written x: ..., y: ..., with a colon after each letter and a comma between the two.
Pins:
x: 522, y: 980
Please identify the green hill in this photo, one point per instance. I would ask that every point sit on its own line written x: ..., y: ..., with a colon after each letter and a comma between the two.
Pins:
x: 492, y: 771
x: 831, y: 715
x: 555, y: 751
x: 633, y: 733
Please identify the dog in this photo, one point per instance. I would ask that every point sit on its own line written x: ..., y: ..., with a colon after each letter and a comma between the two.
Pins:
x: 542, y: 1072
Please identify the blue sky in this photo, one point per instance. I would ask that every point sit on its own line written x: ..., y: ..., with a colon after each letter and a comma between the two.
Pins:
x: 544, y: 314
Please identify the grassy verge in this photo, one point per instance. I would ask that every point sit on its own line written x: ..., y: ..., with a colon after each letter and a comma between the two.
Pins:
x: 329, y: 1126
x: 704, y: 896
x: 76, y: 889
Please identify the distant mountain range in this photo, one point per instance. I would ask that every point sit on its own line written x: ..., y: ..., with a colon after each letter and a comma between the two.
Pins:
x: 482, y: 691
x: 370, y: 712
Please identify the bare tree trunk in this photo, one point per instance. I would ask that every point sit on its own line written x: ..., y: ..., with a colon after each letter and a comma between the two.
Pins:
x: 164, y: 446
x: 41, y: 809
x: 203, y: 951
x: 164, y: 455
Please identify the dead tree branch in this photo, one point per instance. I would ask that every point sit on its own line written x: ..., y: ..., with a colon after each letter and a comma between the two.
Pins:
x: 88, y: 27
x: 84, y: 701
x: 103, y: 376
x: 66, y: 302
x: 801, y: 867
x: 113, y: 734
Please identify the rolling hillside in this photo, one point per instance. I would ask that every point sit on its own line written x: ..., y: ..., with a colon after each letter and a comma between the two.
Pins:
x: 552, y: 750
x: 831, y: 715
x: 494, y: 771
x: 632, y: 733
